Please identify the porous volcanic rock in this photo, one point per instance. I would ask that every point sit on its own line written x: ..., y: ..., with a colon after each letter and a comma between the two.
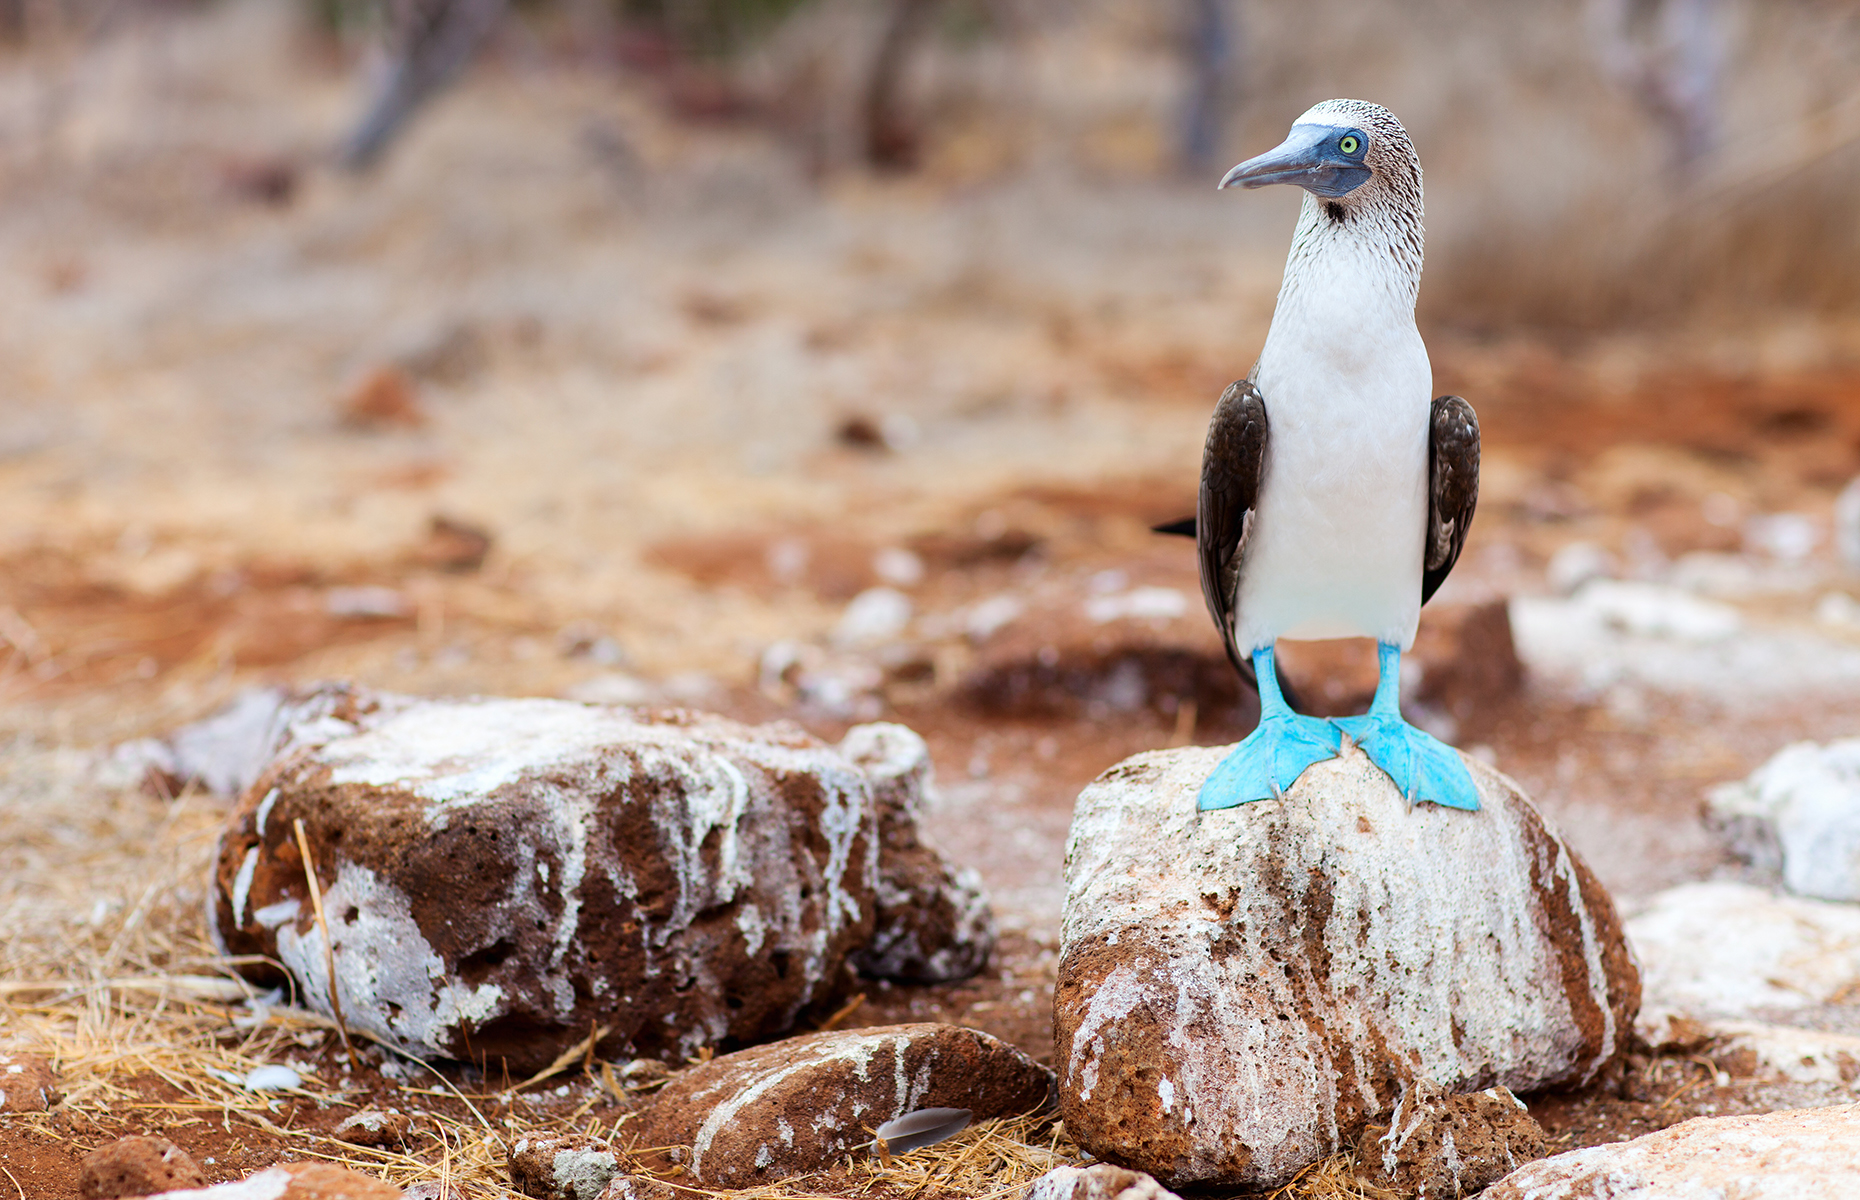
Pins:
x: 1439, y: 1146
x: 27, y: 1083
x: 501, y: 876
x: 1240, y: 992
x: 137, y: 1166
x: 562, y: 1166
x: 933, y: 922
x: 796, y: 1106
x: 1100, y: 1181
x: 1797, y: 1154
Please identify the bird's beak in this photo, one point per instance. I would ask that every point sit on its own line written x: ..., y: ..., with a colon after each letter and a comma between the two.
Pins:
x: 1307, y: 158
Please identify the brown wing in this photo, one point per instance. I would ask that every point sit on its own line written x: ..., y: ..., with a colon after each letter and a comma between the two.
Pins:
x: 1233, y: 464
x: 1452, y: 488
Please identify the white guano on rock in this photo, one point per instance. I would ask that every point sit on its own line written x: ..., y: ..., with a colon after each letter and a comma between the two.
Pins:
x: 1241, y: 991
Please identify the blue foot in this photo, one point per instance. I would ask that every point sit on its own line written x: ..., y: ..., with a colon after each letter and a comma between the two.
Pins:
x: 1271, y: 758
x: 1423, y: 767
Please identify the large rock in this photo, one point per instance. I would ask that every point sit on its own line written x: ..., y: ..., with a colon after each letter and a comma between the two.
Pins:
x: 1799, y: 815
x: 765, y: 1114
x: 1803, y: 1154
x: 1241, y: 992
x: 933, y: 923
x: 1729, y: 950
x: 501, y: 876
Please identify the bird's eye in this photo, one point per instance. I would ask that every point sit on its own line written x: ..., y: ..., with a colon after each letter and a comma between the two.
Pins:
x: 1350, y: 143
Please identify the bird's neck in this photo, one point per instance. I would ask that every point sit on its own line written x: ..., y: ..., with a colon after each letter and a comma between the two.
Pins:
x: 1365, y: 254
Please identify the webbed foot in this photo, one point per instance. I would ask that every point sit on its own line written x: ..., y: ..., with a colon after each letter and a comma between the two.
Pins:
x: 1269, y: 760
x: 1423, y: 767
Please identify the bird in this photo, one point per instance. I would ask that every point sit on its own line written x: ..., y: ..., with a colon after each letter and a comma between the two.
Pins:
x: 1335, y: 495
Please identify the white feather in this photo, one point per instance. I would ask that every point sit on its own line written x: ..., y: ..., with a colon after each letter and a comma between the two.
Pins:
x: 1337, y: 541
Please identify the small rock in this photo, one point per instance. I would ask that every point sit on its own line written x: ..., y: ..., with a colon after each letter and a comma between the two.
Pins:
x: 1576, y: 564
x: 1800, y: 1154
x: 499, y: 875
x: 433, y: 1189
x: 1799, y: 814
x: 1100, y: 1181
x: 562, y: 1167
x: 639, y: 1187
x: 384, y: 399
x: 1655, y: 610
x: 1780, y: 1053
x: 138, y: 1166
x: 933, y: 922
x: 27, y: 1083
x: 1450, y: 1146
x: 1241, y: 991
x: 453, y: 545
x: 875, y: 616
x: 375, y: 1127
x: 1729, y: 950
x: 796, y: 1106
x: 1847, y: 525
x: 272, y: 1078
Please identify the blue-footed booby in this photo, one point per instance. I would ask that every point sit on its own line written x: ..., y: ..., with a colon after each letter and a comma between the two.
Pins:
x: 1335, y: 496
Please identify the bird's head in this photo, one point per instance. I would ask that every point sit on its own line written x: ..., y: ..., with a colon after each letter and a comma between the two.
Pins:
x: 1343, y: 151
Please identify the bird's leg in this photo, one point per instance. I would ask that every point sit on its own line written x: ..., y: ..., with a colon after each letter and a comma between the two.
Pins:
x: 1273, y: 756
x: 1423, y: 767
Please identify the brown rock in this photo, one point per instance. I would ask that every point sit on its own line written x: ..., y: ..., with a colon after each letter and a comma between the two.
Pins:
x: 562, y: 1166
x: 384, y: 399
x: 1450, y: 1146
x: 1241, y: 991
x: 1100, y: 1181
x: 453, y: 545
x: 796, y: 1106
x: 27, y: 1083
x: 138, y: 1166
x: 933, y: 923
x: 501, y: 875
x: 374, y: 1127
x: 1799, y: 1154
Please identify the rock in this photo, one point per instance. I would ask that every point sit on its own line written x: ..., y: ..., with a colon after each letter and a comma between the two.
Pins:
x: 562, y: 1167
x: 1800, y: 1154
x: 1449, y: 1146
x: 1780, y: 1053
x: 1241, y: 992
x: 296, y: 1181
x: 1730, y: 950
x: 1467, y: 658
x: 1798, y: 814
x: 796, y: 1106
x: 138, y: 1166
x: 639, y: 1187
x: 500, y: 876
x: 27, y: 1083
x: 375, y: 1127
x: 1100, y: 1181
x: 1847, y: 525
x: 933, y: 922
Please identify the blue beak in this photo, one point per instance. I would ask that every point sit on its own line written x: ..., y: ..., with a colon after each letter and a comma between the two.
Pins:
x: 1309, y: 158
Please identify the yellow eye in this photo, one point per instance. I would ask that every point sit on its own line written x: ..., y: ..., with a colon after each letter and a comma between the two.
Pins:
x: 1350, y: 143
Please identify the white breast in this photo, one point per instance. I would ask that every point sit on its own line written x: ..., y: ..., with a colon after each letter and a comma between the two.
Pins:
x: 1336, y: 544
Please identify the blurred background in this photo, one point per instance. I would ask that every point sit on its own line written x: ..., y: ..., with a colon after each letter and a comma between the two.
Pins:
x: 830, y: 359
